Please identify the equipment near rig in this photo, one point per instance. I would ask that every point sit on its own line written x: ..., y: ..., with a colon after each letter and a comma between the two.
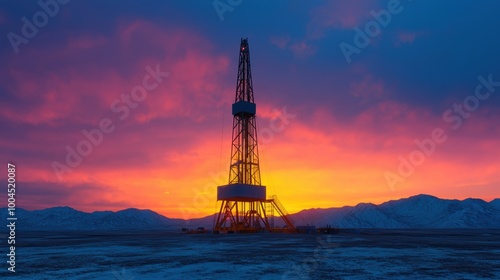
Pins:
x: 245, y: 207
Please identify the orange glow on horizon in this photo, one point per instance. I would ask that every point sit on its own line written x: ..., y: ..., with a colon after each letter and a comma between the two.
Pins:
x: 305, y: 166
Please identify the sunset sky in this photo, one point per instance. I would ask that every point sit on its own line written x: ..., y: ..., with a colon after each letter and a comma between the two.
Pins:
x: 339, y: 130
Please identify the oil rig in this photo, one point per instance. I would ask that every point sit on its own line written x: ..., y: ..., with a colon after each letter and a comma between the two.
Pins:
x: 244, y: 204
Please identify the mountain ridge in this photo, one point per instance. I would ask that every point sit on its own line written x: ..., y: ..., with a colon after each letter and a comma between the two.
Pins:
x: 418, y: 211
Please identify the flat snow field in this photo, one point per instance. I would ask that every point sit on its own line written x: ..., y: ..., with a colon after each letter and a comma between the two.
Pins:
x: 365, y: 254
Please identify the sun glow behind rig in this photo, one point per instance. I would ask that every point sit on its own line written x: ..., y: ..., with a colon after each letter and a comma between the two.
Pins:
x: 245, y: 206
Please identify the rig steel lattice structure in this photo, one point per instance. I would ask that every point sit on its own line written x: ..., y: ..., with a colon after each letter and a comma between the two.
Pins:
x: 244, y: 200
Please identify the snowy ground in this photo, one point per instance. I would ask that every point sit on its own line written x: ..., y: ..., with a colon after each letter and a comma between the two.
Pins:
x: 382, y: 254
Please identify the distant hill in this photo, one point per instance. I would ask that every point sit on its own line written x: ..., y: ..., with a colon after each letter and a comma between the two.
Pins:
x: 421, y: 211
x: 496, y: 203
x: 67, y: 218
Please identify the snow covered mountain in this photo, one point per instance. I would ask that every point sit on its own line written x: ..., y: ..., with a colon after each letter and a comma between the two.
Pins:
x: 67, y: 218
x: 495, y: 203
x: 421, y: 211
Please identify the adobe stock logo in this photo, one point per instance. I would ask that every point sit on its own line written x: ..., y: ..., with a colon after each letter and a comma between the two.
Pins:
x: 225, y: 6
x: 29, y: 30
x: 120, y: 106
x: 456, y: 117
x: 372, y: 29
